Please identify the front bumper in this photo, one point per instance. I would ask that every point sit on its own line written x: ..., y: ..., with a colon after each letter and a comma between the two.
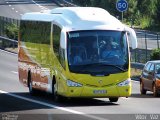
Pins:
x: 98, y: 92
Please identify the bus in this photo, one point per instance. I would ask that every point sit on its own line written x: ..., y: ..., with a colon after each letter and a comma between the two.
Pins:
x: 63, y: 51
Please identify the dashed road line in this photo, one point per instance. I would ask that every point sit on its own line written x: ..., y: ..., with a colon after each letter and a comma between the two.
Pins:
x: 40, y: 6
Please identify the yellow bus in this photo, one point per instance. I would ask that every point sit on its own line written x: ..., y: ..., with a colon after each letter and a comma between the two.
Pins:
x: 75, y: 52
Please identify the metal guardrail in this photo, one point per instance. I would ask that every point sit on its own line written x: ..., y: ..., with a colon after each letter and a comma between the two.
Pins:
x: 8, y: 44
x: 8, y: 39
x: 147, y: 42
x: 137, y: 65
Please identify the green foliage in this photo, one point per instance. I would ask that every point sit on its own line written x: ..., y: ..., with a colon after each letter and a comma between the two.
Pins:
x: 155, y: 55
x: 145, y: 22
x: 158, y: 12
x: 109, y: 5
x: 11, y: 30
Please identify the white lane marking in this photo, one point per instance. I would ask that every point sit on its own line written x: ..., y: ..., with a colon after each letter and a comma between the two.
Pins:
x: 42, y: 7
x: 12, y: 8
x: 39, y: 5
x: 52, y: 106
x: 14, y: 72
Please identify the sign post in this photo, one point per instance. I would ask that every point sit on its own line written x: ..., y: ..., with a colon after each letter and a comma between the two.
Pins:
x: 122, y: 6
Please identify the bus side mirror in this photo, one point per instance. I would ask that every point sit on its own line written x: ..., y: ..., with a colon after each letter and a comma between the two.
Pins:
x: 132, y: 37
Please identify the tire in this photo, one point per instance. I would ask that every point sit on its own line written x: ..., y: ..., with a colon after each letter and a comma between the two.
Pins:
x: 155, y: 92
x: 114, y: 99
x: 32, y: 91
x: 142, y: 90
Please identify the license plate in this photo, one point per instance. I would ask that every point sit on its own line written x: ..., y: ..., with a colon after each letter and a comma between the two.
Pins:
x: 99, y: 91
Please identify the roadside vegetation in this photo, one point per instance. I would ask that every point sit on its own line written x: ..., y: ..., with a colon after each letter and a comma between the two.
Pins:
x: 144, y: 14
x: 155, y: 54
x: 11, y: 31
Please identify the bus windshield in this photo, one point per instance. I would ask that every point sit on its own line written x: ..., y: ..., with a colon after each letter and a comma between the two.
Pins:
x: 97, y: 51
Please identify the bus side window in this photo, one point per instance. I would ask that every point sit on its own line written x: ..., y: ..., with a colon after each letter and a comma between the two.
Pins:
x: 62, y: 57
x: 59, y: 52
x: 56, y: 40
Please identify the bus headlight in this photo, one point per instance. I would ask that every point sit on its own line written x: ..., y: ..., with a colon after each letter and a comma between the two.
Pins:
x: 73, y: 84
x: 125, y: 83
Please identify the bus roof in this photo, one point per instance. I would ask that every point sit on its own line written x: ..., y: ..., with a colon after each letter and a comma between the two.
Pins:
x: 78, y: 18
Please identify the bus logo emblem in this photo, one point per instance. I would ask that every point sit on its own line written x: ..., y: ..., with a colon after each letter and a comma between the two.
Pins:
x: 100, y: 81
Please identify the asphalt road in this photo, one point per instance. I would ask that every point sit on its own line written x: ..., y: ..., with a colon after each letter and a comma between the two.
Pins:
x: 15, y: 100
x: 16, y: 8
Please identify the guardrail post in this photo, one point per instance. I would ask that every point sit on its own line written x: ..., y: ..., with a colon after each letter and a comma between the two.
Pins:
x: 138, y: 56
x: 3, y: 26
x: 135, y: 52
x: 157, y: 41
x: 0, y: 25
x: 146, y: 44
x: 13, y: 45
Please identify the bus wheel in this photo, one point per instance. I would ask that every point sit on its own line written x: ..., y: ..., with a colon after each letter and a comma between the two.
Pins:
x: 31, y: 89
x: 113, y: 99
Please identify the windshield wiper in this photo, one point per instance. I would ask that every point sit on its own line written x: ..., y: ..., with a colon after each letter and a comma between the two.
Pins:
x: 116, y: 67
x: 103, y: 64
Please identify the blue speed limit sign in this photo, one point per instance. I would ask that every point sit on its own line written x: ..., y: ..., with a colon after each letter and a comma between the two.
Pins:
x: 121, y: 5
